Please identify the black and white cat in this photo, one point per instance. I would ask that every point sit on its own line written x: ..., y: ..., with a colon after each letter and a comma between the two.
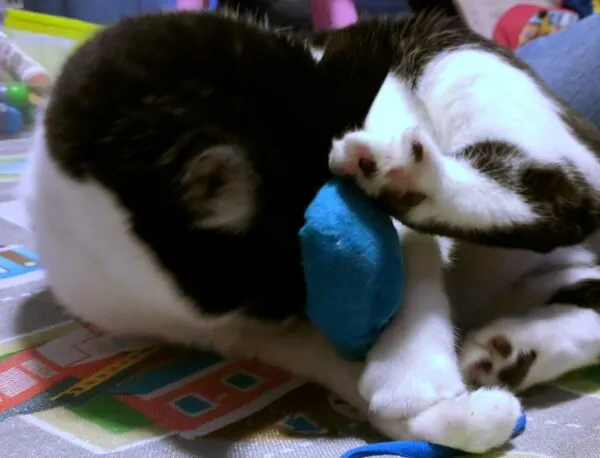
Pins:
x: 169, y: 177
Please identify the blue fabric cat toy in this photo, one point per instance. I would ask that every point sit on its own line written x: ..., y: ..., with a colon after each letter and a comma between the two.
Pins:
x: 354, y: 274
x: 352, y: 267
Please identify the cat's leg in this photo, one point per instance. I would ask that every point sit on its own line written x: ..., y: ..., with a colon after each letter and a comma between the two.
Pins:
x: 522, y: 351
x: 513, y: 165
x: 412, y: 378
x: 297, y: 347
x: 485, y: 194
x: 415, y: 181
x: 520, y: 143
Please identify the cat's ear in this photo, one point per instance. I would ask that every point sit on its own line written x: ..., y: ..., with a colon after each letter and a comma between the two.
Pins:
x: 220, y: 189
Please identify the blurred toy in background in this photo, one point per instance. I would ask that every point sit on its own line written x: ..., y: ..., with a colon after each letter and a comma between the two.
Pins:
x: 11, y: 120
x: 524, y: 23
x: 18, y: 106
x: 14, y: 94
x: 19, y: 99
x: 21, y: 66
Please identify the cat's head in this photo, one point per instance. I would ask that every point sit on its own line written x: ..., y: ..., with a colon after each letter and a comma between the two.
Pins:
x: 195, y: 124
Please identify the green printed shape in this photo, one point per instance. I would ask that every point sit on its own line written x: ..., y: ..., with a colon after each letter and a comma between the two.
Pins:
x: 8, y: 355
x: 584, y: 381
x: 111, y: 414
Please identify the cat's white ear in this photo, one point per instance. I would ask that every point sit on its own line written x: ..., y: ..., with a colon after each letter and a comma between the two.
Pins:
x: 219, y: 189
x: 354, y: 153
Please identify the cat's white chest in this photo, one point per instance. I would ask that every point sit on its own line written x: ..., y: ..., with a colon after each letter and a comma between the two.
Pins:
x: 94, y: 265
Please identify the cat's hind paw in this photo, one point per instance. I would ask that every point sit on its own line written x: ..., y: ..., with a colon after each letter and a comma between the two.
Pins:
x: 520, y: 352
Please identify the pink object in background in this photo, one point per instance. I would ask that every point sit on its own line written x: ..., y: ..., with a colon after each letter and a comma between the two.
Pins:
x: 326, y: 14
x: 192, y: 4
x: 333, y: 14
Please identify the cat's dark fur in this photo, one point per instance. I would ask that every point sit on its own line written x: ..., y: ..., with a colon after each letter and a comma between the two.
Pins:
x: 137, y: 107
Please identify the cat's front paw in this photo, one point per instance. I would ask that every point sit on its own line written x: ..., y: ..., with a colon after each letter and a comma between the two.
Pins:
x: 434, y: 406
x: 520, y: 352
x: 402, y: 394
x: 474, y: 422
x: 394, y: 165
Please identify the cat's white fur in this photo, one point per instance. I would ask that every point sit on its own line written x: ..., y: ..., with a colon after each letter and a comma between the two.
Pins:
x: 464, y: 96
x: 411, y: 384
